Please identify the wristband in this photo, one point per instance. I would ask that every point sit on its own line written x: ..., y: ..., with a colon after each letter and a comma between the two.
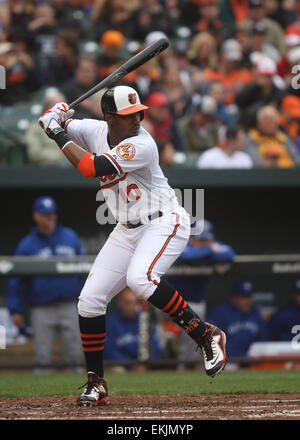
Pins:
x: 86, y: 166
x: 61, y: 138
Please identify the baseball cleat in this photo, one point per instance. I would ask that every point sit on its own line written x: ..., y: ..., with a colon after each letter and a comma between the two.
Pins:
x: 213, y: 344
x: 95, y: 392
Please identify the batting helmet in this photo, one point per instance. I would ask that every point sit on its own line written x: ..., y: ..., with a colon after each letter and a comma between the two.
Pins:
x: 122, y: 100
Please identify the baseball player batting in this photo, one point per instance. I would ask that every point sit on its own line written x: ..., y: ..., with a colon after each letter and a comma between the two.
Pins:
x: 147, y: 238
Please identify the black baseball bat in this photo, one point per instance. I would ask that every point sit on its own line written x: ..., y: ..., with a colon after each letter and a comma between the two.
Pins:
x: 136, y: 61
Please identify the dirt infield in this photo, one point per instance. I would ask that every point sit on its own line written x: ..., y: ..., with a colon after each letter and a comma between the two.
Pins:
x: 157, y: 407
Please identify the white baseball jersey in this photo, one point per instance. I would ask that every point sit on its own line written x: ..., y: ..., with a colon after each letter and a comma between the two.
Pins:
x: 138, y: 188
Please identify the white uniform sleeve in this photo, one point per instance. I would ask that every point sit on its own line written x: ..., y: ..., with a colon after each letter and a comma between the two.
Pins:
x: 130, y: 156
x: 84, y: 133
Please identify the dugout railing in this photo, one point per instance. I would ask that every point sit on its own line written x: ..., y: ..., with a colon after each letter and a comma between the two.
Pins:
x: 244, y: 265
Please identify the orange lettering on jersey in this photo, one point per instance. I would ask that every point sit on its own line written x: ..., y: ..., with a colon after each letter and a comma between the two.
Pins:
x: 103, y: 179
x: 110, y: 177
x: 126, y: 151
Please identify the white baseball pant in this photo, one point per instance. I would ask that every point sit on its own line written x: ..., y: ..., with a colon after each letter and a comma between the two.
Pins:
x: 136, y: 258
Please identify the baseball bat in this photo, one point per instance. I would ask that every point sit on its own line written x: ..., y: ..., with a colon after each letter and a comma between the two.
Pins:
x: 136, y: 61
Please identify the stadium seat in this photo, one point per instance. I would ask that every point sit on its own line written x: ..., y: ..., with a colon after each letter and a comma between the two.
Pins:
x: 14, y: 123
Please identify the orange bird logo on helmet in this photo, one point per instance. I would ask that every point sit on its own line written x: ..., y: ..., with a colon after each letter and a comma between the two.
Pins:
x: 132, y: 98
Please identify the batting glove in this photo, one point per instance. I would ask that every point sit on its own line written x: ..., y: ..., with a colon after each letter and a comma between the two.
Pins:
x: 50, y: 123
x: 63, y: 111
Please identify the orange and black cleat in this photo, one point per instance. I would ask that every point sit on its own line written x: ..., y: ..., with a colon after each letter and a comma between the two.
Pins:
x: 95, y: 392
x: 212, y: 343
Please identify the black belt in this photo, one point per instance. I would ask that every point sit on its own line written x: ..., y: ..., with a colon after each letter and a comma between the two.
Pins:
x: 151, y: 217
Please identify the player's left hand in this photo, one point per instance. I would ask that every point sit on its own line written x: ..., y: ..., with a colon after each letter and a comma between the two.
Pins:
x: 50, y: 123
x: 52, y: 119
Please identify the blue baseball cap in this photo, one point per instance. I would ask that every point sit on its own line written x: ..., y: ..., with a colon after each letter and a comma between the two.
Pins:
x: 242, y: 288
x: 202, y: 230
x: 44, y: 205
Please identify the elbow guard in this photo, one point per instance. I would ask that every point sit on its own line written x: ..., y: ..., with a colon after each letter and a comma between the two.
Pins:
x: 86, y: 166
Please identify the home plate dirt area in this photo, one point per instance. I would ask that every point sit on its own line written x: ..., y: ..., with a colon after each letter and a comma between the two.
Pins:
x: 157, y: 407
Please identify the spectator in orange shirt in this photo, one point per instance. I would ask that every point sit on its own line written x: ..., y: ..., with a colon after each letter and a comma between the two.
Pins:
x: 267, y: 142
x: 229, y: 73
x: 289, y: 118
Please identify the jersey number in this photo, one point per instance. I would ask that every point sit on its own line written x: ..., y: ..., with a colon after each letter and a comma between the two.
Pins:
x: 132, y: 193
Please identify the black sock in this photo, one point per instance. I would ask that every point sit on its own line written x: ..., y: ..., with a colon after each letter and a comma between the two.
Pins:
x: 167, y: 299
x: 92, y: 332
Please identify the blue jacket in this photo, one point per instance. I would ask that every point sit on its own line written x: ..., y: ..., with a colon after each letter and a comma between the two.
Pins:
x: 44, y: 290
x: 122, y: 338
x: 241, y: 329
x: 194, y: 288
x: 281, y: 323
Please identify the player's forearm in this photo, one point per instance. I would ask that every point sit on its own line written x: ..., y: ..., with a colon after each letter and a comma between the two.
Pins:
x: 86, y: 163
x: 74, y: 153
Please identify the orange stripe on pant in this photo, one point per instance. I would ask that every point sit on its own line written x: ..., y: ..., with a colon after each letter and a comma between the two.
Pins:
x: 162, y: 250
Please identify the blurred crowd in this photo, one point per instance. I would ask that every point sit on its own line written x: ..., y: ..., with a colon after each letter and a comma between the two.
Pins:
x: 224, y: 94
